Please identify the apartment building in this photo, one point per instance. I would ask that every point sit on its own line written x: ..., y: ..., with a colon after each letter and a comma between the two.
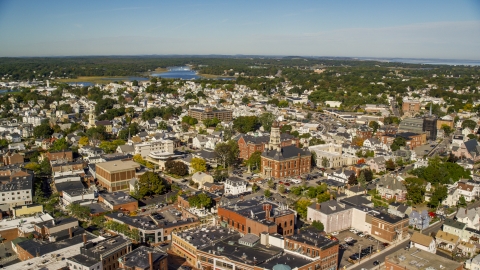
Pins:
x: 16, y: 191
x: 208, y: 113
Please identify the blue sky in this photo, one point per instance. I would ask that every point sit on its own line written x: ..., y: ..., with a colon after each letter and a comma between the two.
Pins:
x: 409, y: 29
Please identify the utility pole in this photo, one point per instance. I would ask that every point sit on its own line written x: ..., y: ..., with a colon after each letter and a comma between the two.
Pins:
x: 359, y: 253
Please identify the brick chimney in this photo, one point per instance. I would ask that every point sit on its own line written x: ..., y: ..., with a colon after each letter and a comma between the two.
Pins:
x: 70, y: 232
x: 318, y: 206
x: 331, y: 197
x: 267, y: 208
x: 150, y: 260
x: 84, y: 239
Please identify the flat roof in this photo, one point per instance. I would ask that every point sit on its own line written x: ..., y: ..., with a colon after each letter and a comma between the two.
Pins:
x: 420, y: 259
x: 117, y: 197
x: 139, y: 257
x: 312, y: 237
x: 118, y: 165
x: 25, y: 224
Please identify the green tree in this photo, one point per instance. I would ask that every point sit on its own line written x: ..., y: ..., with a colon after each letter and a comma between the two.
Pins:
x: 415, y: 189
x: 201, y: 200
x: 323, y: 197
x: 285, y: 128
x: 254, y: 188
x: 318, y: 225
x: 79, y: 211
x: 211, y: 122
x: 397, y: 143
x: 43, y: 131
x: 111, y: 147
x: 362, y: 179
x: 438, y: 195
x: 33, y: 166
x: 267, y: 193
x: 462, y: 202
x: 325, y: 162
x: 254, y: 159
x: 227, y: 153
x: 447, y: 129
x: 244, y: 124
x: 266, y: 120
x: 469, y: 123
x: 352, y: 180
x: 83, y: 141
x: 45, y: 167
x: 245, y: 100
x: 283, y: 104
x: 3, y: 143
x: 374, y: 125
x: 198, y: 164
x: 270, y: 183
x: 59, y: 145
x: 301, y: 207
x: 281, y: 189
x: 315, y: 141
x: 150, y: 183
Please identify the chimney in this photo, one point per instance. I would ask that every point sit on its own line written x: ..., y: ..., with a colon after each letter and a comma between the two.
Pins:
x: 70, y: 232
x: 465, y: 211
x: 317, y: 206
x: 38, y: 253
x: 84, y: 239
x: 267, y: 207
x: 241, y: 198
x: 150, y: 260
x: 331, y: 197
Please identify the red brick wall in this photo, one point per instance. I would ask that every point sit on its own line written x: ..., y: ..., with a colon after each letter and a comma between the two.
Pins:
x: 285, y: 224
x: 292, y: 167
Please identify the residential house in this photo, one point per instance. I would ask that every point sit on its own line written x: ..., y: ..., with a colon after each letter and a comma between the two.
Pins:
x: 389, y: 187
x: 473, y: 263
x: 455, y: 227
x: 399, y: 209
x: 355, y: 190
x: 236, y: 186
x: 469, y: 217
x: 201, y: 178
x: 341, y: 175
x: 419, y: 220
x: 469, y: 149
x: 446, y: 241
x: 424, y: 242
x: 376, y: 164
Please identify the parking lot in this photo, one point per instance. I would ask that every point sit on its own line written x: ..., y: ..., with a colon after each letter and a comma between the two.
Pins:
x: 359, y: 243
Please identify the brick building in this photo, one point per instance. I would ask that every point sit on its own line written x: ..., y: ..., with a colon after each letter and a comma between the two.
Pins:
x: 60, y: 155
x: 107, y: 252
x: 309, y: 242
x: 255, y: 217
x: 209, y: 113
x: 410, y: 108
x: 280, y: 162
x: 389, y: 227
x: 12, y: 158
x: 116, y: 175
x: 249, y: 144
x: 118, y: 201
x: 364, y: 132
x: 232, y: 250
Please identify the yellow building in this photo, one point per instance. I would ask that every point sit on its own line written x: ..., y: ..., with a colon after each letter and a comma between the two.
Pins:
x: 27, y: 210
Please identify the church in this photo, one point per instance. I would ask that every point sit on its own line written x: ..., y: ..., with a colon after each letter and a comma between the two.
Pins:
x: 282, y: 162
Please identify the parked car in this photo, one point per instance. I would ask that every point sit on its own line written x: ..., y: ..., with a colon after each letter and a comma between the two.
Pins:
x: 334, y: 233
x: 376, y: 263
x: 353, y: 230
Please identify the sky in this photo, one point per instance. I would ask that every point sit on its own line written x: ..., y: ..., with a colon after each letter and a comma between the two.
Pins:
x: 442, y: 29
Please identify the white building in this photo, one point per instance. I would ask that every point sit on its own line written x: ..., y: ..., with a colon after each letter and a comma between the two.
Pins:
x: 16, y: 192
x: 424, y: 242
x: 333, y: 154
x: 235, y: 186
x: 145, y: 148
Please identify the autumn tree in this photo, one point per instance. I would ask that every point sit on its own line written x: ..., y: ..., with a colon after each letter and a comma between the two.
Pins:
x: 198, y: 164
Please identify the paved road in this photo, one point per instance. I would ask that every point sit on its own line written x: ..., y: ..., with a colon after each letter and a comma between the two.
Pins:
x: 368, y: 264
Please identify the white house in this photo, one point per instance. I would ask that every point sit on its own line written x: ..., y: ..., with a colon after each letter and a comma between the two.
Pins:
x: 422, y: 241
x: 473, y: 263
x: 236, y: 186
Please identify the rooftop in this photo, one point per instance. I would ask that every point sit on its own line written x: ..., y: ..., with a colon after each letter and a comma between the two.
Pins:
x: 116, y: 198
x: 139, y: 257
x: 312, y: 237
x: 118, y: 165
x: 420, y: 259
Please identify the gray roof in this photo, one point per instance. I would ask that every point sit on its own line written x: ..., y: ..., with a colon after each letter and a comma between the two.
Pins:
x: 472, y: 146
x: 286, y: 152
x: 454, y: 223
x: 330, y: 207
